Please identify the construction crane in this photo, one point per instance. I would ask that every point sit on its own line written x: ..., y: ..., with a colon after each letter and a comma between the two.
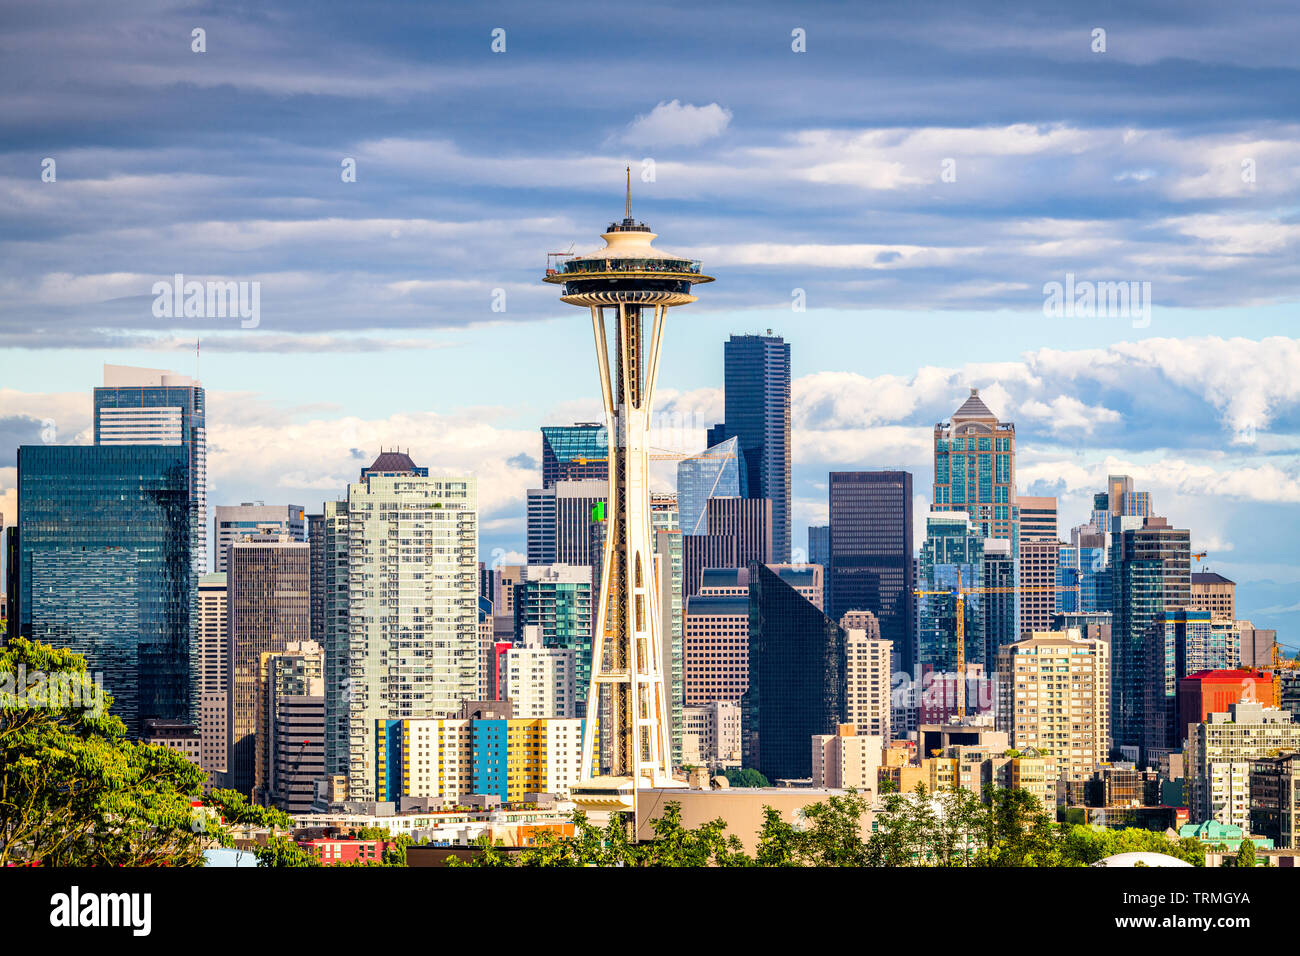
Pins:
x: 1281, y: 663
x: 655, y: 456
x: 960, y: 592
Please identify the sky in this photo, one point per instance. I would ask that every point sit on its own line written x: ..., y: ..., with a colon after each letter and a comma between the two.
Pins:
x: 891, y: 187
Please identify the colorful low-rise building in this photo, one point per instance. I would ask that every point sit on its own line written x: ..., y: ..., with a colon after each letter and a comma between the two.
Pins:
x: 454, y: 758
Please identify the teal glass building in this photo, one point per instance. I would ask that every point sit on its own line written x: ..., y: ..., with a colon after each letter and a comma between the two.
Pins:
x: 953, y: 552
x: 1150, y: 565
x: 105, y: 568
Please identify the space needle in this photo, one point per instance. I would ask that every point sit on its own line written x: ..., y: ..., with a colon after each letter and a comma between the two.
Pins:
x: 629, y: 286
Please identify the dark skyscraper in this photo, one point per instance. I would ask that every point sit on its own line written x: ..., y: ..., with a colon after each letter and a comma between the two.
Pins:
x: 999, y: 609
x: 105, y: 569
x: 1151, y: 574
x: 757, y: 402
x: 316, y: 548
x: 268, y: 607
x: 871, y: 554
x: 739, y: 531
x: 797, y: 679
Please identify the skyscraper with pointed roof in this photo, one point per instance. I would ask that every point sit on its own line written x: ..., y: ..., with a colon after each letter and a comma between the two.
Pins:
x: 975, y: 468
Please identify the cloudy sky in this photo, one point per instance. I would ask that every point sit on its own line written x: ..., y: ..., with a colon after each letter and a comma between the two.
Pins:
x: 914, y: 178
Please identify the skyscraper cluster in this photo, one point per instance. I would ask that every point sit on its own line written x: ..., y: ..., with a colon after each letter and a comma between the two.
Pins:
x: 365, y: 652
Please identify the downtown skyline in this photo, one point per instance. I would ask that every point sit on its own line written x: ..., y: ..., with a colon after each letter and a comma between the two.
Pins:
x: 377, y: 329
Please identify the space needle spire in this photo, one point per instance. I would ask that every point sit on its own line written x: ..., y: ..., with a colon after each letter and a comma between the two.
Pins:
x: 628, y: 286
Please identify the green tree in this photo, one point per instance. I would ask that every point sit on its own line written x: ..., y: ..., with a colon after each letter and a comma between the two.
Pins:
x: 237, y: 811
x: 73, y: 790
x: 832, y: 835
x: 1084, y: 846
x: 489, y: 854
x: 1246, y: 854
x: 706, y: 845
x: 777, y: 840
x: 745, y: 778
x: 280, y: 851
x: 1016, y: 830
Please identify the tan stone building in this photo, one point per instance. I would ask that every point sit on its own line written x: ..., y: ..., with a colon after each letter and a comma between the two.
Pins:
x: 1054, y: 697
x: 867, y: 673
x: 1216, y: 594
x: 845, y: 759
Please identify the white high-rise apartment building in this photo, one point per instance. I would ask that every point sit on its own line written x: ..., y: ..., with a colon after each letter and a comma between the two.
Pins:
x: 540, y: 681
x: 711, y: 734
x: 401, y: 608
x: 846, y: 759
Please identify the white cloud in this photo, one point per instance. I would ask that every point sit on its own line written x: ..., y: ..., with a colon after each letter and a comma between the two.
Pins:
x: 1066, y: 413
x: 674, y: 123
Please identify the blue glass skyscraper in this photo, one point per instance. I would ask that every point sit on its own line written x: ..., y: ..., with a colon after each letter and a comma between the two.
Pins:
x: 716, y: 472
x: 1150, y: 571
x: 150, y: 406
x: 953, y: 552
x: 756, y: 371
x: 105, y: 568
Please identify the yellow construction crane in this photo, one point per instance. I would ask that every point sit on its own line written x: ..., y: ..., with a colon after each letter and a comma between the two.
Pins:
x: 960, y: 592
x: 1281, y: 663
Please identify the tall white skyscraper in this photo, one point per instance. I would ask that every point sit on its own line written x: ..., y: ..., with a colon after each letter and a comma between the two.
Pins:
x: 402, y: 615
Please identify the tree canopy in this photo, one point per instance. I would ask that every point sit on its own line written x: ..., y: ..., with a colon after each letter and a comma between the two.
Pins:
x: 74, y: 791
x: 953, y: 827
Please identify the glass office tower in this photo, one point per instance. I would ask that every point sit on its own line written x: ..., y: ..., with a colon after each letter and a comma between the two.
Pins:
x: 556, y: 599
x: 975, y: 468
x: 757, y: 411
x: 819, y: 552
x: 871, y: 565
x: 574, y: 453
x: 1150, y: 564
x: 1184, y: 641
x: 797, y: 677
x: 1000, y: 614
x: 105, y: 569
x: 716, y: 472
x: 953, y: 552
x: 150, y: 406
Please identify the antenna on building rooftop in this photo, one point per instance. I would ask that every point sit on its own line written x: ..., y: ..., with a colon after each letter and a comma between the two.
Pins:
x: 628, y: 211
